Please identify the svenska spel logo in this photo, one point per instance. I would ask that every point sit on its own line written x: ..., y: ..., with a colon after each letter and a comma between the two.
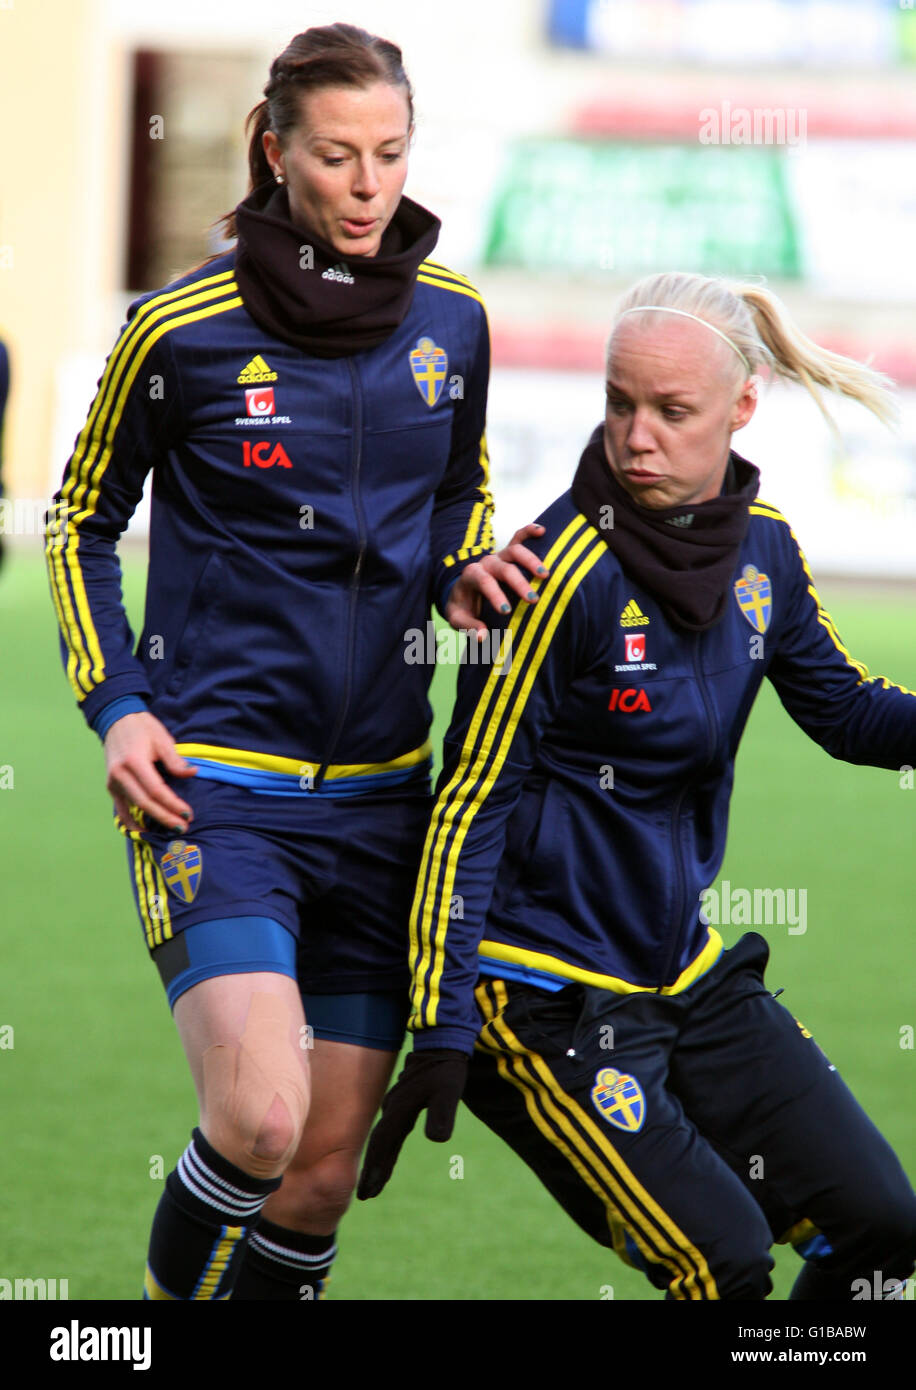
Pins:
x: 259, y: 400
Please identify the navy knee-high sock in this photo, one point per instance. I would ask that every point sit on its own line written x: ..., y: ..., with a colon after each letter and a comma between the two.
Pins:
x: 284, y: 1264
x: 202, y: 1225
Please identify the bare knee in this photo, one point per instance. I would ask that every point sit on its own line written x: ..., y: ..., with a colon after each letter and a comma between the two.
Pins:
x: 317, y: 1196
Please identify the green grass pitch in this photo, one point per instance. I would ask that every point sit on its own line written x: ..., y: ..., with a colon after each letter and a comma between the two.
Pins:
x: 95, y: 1088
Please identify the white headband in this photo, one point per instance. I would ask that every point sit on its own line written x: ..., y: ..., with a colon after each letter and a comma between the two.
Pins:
x: 663, y: 309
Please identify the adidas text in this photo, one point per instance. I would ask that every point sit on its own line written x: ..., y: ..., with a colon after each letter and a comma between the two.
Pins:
x: 340, y: 273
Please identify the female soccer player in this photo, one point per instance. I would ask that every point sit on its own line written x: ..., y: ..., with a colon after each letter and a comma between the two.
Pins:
x: 662, y: 1094
x: 312, y: 408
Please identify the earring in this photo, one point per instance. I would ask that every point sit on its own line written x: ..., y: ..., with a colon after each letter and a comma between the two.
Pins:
x: 279, y: 178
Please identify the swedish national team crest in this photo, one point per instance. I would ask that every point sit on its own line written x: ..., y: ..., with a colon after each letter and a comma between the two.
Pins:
x: 429, y: 365
x: 755, y: 597
x: 619, y: 1099
x: 181, y: 869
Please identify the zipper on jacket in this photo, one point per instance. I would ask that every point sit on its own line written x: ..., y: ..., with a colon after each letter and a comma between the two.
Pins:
x: 710, y: 715
x: 676, y: 829
x: 679, y: 872
x: 354, y: 578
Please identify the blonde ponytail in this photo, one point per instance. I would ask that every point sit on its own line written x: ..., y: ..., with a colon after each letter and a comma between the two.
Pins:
x: 756, y: 324
x: 797, y: 358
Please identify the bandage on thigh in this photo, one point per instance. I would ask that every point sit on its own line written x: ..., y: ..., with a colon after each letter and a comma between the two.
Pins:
x: 246, y: 1081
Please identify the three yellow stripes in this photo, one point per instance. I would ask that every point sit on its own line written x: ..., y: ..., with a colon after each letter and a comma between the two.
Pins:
x: 80, y: 492
x: 152, y: 895
x: 589, y: 1151
x: 483, y: 755
x: 478, y: 538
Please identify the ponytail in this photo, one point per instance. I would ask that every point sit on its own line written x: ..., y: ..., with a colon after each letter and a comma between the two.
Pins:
x: 797, y: 358
x: 758, y: 327
x: 256, y: 124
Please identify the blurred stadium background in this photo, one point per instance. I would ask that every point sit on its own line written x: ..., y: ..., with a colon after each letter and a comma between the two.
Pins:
x: 569, y: 146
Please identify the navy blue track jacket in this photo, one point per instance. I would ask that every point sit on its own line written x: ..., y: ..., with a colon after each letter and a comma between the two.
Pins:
x: 583, y: 803
x: 305, y: 513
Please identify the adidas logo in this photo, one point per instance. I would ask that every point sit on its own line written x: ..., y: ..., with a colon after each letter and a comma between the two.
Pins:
x: 256, y: 371
x: 633, y: 616
x: 340, y: 273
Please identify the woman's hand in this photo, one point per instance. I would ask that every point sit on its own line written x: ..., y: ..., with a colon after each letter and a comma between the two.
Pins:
x: 432, y: 1081
x: 482, y: 579
x: 133, y: 746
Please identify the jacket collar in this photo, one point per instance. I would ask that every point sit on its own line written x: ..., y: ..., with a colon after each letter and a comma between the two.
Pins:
x: 302, y: 291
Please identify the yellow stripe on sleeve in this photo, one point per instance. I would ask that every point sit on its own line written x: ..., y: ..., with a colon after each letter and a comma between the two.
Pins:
x: 823, y: 617
x: 442, y: 284
x: 478, y: 538
x: 80, y: 492
x: 444, y: 272
x: 482, y: 758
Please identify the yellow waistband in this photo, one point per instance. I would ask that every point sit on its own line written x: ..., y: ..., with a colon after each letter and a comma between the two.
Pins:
x: 552, y: 965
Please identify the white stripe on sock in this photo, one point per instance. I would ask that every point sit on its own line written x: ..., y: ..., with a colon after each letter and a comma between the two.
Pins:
x: 204, y: 1184
x: 296, y: 1259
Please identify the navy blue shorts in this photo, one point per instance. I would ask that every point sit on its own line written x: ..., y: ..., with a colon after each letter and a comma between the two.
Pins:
x: 317, y: 888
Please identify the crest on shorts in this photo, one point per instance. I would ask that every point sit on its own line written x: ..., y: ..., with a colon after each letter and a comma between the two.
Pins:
x: 181, y: 869
x: 755, y: 597
x: 618, y: 1098
x: 428, y: 364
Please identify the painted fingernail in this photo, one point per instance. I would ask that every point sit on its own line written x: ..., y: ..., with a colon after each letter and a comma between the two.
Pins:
x: 531, y: 595
x: 504, y: 607
x: 541, y: 569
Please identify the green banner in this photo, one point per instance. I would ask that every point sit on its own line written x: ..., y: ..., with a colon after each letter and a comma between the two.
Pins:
x: 589, y: 206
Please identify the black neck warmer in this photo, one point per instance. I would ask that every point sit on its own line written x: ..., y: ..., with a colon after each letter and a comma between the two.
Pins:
x: 684, y: 556
x: 297, y: 287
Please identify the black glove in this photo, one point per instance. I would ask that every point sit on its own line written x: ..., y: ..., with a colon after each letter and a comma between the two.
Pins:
x: 431, y: 1081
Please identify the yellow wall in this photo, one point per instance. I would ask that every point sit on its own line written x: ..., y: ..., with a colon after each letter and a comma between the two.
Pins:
x: 56, y: 202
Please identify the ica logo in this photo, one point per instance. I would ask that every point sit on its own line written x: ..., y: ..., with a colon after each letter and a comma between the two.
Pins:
x: 628, y: 700
x: 263, y: 454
